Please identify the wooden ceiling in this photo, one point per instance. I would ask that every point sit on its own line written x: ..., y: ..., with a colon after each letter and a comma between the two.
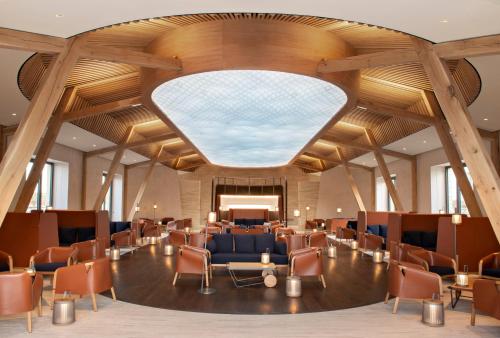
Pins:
x: 100, y: 83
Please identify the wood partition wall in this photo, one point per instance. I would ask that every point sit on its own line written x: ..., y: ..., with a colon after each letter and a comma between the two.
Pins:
x: 23, y: 234
x: 398, y: 223
x: 366, y: 218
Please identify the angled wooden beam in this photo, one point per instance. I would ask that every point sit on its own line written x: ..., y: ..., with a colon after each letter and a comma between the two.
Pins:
x: 351, y: 180
x: 384, y: 171
x: 378, y: 59
x: 102, y: 108
x: 115, y: 163
x: 43, y: 153
x: 384, y: 109
x: 491, y: 135
x: 131, y: 57
x: 355, y: 145
x: 125, y: 192
x: 191, y: 165
x: 469, y: 141
x: 305, y: 166
x: 484, y: 45
x: 314, y: 154
x: 414, y: 185
x: 373, y: 190
x: 31, y: 42
x: 143, y: 185
x: 83, y: 201
x: 452, y: 154
x: 129, y: 145
x: 32, y: 126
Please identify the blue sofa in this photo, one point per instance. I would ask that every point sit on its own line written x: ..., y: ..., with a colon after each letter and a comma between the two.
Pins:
x: 378, y: 230
x: 225, y: 248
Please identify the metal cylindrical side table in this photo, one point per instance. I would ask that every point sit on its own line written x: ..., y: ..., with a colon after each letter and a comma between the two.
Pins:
x: 354, y: 245
x: 293, y: 286
x: 64, y: 312
x: 378, y: 256
x: 114, y: 254
x: 433, y: 312
x: 332, y: 252
x: 168, y: 250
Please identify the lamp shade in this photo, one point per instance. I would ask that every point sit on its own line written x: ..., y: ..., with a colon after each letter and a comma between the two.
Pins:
x: 339, y: 210
x: 296, y: 213
x: 155, y: 206
x: 456, y: 219
x: 212, y: 217
x: 308, y: 208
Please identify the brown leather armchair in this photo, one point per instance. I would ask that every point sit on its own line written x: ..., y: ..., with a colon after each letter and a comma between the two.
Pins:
x: 275, y: 227
x: 198, y: 239
x: 295, y: 242
x: 192, y: 260
x: 211, y: 230
x: 433, y: 262
x: 345, y: 233
x: 20, y: 293
x: 123, y: 239
x: 486, y: 298
x: 311, y: 225
x: 372, y: 242
x: 281, y: 231
x: 307, y: 262
x: 49, y: 260
x: 83, y: 279
x: 151, y: 230
x: 489, y: 266
x: 318, y: 239
x: 177, y: 238
x: 89, y: 250
x: 410, y: 281
x: 6, y: 264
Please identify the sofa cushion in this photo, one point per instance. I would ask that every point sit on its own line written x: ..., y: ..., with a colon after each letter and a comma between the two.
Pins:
x: 224, y: 258
x: 112, y: 227
x: 244, y: 243
x: 373, y: 229
x: 412, y: 237
x: 264, y: 242
x: 280, y: 247
x: 85, y: 234
x: 442, y: 270
x: 279, y: 259
x: 49, y: 267
x: 4, y: 266
x: 491, y: 272
x: 352, y: 224
x: 224, y: 243
x: 122, y: 226
x: 67, y: 236
x: 382, y: 231
x: 211, y: 246
x: 429, y: 240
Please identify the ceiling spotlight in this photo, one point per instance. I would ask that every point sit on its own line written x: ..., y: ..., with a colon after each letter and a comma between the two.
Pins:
x: 136, y: 105
x: 425, y: 141
x: 94, y: 145
x: 360, y: 107
x: 444, y: 21
x: 74, y: 137
x: 14, y: 114
x: 59, y: 15
x: 404, y: 148
x: 485, y: 119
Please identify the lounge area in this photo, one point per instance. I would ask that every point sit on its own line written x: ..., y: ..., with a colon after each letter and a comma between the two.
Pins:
x: 241, y: 169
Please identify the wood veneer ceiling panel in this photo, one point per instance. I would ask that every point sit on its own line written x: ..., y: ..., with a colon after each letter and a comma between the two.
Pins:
x: 134, y: 115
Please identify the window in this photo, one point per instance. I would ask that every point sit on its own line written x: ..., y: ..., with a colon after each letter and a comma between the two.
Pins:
x: 390, y: 203
x: 383, y: 198
x: 107, y: 204
x: 43, y: 195
x: 454, y: 200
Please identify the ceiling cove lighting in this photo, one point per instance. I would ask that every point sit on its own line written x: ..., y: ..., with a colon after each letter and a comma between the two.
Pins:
x: 249, y: 118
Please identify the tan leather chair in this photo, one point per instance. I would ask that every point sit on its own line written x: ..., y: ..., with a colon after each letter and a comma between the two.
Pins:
x: 151, y: 230
x: 211, y: 230
x: 198, y: 239
x: 188, y: 222
x: 295, y: 242
x: 6, y: 264
x: 411, y: 281
x: 177, y: 238
x: 318, y: 239
x: 20, y: 293
x: 123, y: 239
x: 489, y: 266
x: 307, y: 262
x: 83, y: 279
x: 485, y: 298
x: 275, y: 227
x: 47, y: 261
x: 345, y: 233
x: 192, y: 260
x: 89, y: 250
x: 311, y: 225
x: 372, y: 242
x: 281, y: 231
x: 179, y: 224
x: 433, y: 262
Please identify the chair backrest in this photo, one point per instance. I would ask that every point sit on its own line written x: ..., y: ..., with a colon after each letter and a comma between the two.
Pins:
x: 311, y: 224
x: 15, y: 293
x: 177, y: 237
x: 306, y: 263
x: 198, y: 239
x: 243, y: 231
x: 179, y: 224
x: 294, y: 242
x: 87, y: 250
x: 486, y: 297
x: 211, y: 230
x: 99, y: 276
x: 318, y: 239
x: 71, y: 279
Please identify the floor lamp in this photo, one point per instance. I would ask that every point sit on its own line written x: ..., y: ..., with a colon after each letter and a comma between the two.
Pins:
x: 212, y: 218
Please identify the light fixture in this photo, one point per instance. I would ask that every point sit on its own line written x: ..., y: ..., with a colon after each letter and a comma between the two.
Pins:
x: 308, y: 208
x: 155, y: 206
x: 339, y: 210
x: 485, y: 119
x: 137, y: 208
x: 59, y: 16
x: 456, y: 219
x: 444, y: 21
x: 212, y: 217
x: 74, y: 137
x: 14, y: 114
x: 296, y: 213
x: 425, y: 141
x: 404, y: 148
x: 94, y: 145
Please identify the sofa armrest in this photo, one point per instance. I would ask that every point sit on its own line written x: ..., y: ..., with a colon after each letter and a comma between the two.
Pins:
x: 487, y: 262
x: 423, y: 284
x: 442, y: 260
x: 7, y: 258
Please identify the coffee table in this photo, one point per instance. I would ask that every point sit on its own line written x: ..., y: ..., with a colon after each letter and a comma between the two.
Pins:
x: 458, y: 289
x: 266, y: 277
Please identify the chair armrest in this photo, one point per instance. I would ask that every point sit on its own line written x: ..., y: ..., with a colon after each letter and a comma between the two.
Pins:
x: 40, y: 257
x: 412, y: 258
x: 73, y: 257
x: 196, y: 249
x: 487, y: 261
x: 442, y: 260
x: 7, y: 258
x: 422, y: 281
x: 373, y: 242
x: 37, y: 289
x: 302, y: 251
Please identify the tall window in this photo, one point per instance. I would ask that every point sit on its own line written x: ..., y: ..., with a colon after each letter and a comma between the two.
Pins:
x: 383, y: 198
x: 43, y: 195
x: 454, y: 200
x: 108, y: 200
x: 390, y: 203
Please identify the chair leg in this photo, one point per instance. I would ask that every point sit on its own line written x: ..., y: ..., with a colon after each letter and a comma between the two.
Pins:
x: 113, y: 294
x: 94, y: 302
x: 322, y: 278
x: 395, y: 308
x: 29, y: 322
x: 175, y: 278
x: 40, y: 307
x: 206, y: 279
x: 473, y: 315
x: 386, y: 298
x: 53, y: 299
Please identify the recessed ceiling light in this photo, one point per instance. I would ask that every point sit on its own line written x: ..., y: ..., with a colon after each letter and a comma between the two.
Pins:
x: 94, y: 145
x: 14, y: 114
x: 404, y: 148
x: 59, y: 15
x: 485, y: 119
x: 425, y: 141
x: 374, y: 158
x: 364, y: 163
x: 444, y: 21
x: 74, y: 137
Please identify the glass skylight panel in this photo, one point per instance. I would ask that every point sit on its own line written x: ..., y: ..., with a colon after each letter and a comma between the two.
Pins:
x: 249, y: 118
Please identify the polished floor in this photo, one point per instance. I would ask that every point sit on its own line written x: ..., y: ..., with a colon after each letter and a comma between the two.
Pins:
x: 145, y: 278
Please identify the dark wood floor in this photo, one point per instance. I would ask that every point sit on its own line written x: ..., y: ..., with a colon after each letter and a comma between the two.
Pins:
x: 145, y: 278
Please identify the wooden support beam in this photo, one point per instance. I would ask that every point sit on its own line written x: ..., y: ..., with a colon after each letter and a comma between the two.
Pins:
x: 31, y: 42
x: 32, y: 126
x: 84, y: 182
x: 452, y: 154
x: 125, y: 192
x: 351, y: 144
x: 143, y: 185
x: 43, y: 153
x: 351, y: 180
x: 102, y: 108
x: 484, y: 45
x: 373, y: 183
x: 384, y: 171
x: 306, y: 167
x: 131, y: 57
x: 414, y: 185
x: 115, y: 163
x: 384, y: 109
x: 314, y: 154
x: 130, y: 145
x: 495, y: 152
x: 191, y: 165
x: 469, y: 141
x: 378, y: 59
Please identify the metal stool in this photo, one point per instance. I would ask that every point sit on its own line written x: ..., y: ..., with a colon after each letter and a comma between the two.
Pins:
x: 64, y: 312
x: 433, y: 312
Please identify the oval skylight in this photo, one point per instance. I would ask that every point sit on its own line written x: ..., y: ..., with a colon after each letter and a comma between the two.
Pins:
x: 249, y: 118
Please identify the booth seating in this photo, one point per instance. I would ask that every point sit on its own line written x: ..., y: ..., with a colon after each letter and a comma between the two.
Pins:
x: 49, y: 260
x: 193, y: 260
x: 345, y: 233
x: 332, y: 224
x: 433, y: 262
x: 247, y: 231
x: 410, y: 281
x: 83, y: 279
x: 307, y: 262
x: 372, y: 242
x: 23, y: 234
x: 227, y: 248
x: 319, y: 221
x: 211, y: 230
x: 486, y: 299
x: 177, y: 238
x: 90, y: 250
x: 6, y: 264
x: 249, y: 221
x: 489, y: 266
x: 166, y: 220
x: 375, y: 223
x: 19, y: 293
x: 115, y: 227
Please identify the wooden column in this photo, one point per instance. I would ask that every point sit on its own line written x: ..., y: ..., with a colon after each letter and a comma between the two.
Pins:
x: 44, y: 149
x: 384, y: 171
x: 373, y: 183
x: 414, y: 185
x: 32, y: 126
x: 125, y: 192
x: 351, y: 180
x: 495, y: 152
x: 143, y: 185
x: 469, y: 141
x: 84, y: 182
x: 115, y: 163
